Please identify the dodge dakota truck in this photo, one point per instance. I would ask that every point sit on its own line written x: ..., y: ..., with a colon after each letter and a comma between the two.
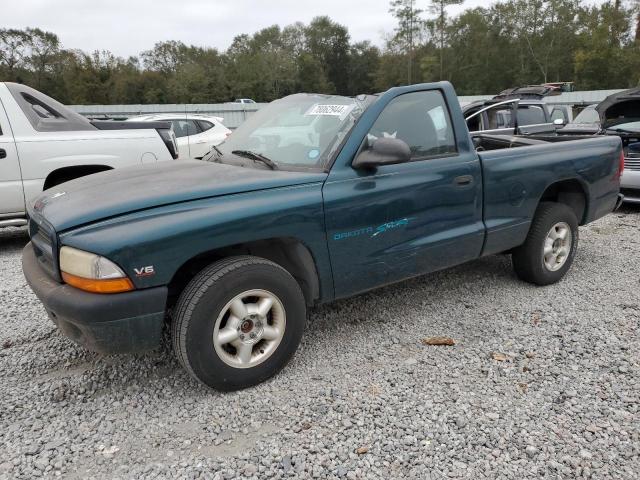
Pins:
x: 229, y: 254
x: 43, y: 143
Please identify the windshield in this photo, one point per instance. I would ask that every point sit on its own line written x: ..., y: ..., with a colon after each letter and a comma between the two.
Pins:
x: 588, y: 115
x: 299, y: 130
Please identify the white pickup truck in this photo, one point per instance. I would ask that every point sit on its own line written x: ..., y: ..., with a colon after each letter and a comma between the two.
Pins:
x: 43, y: 143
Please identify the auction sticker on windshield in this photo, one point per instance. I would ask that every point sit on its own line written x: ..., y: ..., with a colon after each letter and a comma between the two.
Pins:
x: 333, y: 110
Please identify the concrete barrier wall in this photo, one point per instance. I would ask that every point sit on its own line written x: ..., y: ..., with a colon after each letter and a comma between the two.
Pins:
x: 236, y: 113
x: 233, y: 113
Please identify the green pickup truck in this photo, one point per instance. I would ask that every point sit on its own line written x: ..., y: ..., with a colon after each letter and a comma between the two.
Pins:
x: 313, y: 198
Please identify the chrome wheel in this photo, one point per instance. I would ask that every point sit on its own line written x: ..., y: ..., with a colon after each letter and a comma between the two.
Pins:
x: 249, y: 328
x: 557, y: 246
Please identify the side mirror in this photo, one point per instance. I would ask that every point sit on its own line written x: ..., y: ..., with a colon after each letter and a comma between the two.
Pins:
x: 383, y: 151
x: 558, y: 122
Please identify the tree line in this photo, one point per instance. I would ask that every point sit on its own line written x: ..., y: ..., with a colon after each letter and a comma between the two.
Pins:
x: 482, y: 50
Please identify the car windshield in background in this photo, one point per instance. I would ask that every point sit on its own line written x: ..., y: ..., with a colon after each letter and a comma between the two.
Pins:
x: 301, y: 130
x: 588, y: 115
x: 631, y: 127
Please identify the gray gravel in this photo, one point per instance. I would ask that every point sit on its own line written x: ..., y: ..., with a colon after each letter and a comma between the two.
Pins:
x: 542, y: 383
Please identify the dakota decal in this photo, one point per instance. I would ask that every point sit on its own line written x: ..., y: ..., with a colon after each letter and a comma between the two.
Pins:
x: 390, y: 226
x: 373, y: 231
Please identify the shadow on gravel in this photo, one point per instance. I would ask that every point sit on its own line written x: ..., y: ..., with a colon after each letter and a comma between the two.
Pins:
x: 13, y: 239
x: 629, y: 208
x: 356, y: 310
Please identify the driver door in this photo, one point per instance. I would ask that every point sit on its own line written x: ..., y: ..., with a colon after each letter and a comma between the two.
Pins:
x: 402, y: 220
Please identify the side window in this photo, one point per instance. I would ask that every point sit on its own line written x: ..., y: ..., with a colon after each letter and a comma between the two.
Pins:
x: 499, y: 117
x: 40, y: 108
x: 192, y: 127
x: 204, y: 125
x: 184, y: 128
x: 473, y: 124
x: 421, y: 120
x: 530, y: 115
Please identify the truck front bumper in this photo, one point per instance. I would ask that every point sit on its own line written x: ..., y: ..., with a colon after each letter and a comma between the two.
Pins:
x: 106, y: 323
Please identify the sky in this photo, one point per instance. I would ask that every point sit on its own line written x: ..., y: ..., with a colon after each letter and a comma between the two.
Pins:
x: 127, y: 27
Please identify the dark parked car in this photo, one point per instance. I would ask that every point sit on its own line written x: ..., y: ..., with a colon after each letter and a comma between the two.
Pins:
x: 524, y: 104
x: 619, y: 115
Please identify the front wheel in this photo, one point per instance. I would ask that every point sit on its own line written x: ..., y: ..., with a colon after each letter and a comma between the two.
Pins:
x: 550, y: 247
x: 238, y: 322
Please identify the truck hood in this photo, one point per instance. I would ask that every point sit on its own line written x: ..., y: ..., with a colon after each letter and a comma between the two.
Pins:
x: 125, y: 190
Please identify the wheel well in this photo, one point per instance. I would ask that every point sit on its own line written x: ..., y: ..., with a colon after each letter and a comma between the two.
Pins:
x: 289, y: 253
x: 570, y: 193
x: 65, y: 174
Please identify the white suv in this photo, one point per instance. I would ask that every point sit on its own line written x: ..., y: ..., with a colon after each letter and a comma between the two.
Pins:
x: 196, y: 134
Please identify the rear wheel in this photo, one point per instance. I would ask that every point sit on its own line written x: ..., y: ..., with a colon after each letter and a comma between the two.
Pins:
x: 238, y: 322
x: 550, y: 247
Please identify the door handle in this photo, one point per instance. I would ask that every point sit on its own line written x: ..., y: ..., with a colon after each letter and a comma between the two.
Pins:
x: 3, y: 153
x: 463, y: 180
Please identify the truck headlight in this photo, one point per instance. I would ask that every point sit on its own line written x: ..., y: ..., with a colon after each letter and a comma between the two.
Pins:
x: 91, y: 272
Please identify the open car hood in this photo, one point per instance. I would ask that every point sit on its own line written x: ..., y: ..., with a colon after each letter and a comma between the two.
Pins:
x: 621, y: 107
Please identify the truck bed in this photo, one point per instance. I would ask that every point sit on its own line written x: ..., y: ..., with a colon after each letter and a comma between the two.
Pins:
x: 529, y: 165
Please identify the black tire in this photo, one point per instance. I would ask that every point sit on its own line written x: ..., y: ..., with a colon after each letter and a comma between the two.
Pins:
x: 528, y: 259
x: 204, y: 299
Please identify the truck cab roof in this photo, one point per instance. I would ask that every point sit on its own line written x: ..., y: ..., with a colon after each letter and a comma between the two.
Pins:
x: 44, y: 113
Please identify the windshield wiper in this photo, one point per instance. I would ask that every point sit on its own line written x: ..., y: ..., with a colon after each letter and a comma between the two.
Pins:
x: 214, y: 155
x: 219, y: 154
x: 256, y: 156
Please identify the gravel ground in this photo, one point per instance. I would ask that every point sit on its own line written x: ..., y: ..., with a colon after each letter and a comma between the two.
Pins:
x: 542, y: 383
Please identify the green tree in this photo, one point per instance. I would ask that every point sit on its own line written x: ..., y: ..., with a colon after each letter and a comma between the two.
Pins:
x: 606, y: 57
x: 481, y: 50
x: 364, y: 59
x: 439, y: 8
x: 165, y: 57
x: 328, y: 43
x: 409, y: 29
x: 44, y: 48
x: 14, y: 45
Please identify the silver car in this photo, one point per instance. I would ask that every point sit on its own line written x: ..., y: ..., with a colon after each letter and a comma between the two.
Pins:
x: 630, y: 181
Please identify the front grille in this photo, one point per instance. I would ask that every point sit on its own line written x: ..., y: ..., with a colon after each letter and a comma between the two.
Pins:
x: 632, y: 162
x: 44, y: 241
x: 630, y: 194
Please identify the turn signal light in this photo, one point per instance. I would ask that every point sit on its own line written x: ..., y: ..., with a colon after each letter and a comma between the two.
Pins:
x: 620, y: 165
x: 110, y: 285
